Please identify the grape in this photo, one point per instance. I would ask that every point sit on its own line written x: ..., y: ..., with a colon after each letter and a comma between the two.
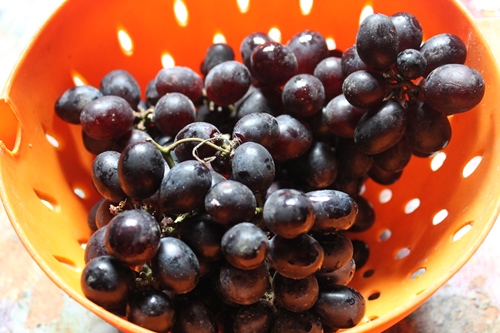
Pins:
x: 216, y: 54
x: 242, y: 287
x: 329, y: 72
x: 253, y: 166
x: 377, y: 41
x: 295, y: 295
x: 351, y: 62
x: 91, y: 216
x: 309, y: 48
x: 249, y: 43
x: 173, y: 111
x: 227, y: 82
x: 179, y: 79
x: 256, y: 317
x: 193, y: 316
x: 454, y: 88
x: 230, y: 202
x: 200, y: 130
x: 303, y: 95
x: 184, y: 187
x: 96, y: 147
x: 288, y: 213
x: 338, y: 250
x: 339, y: 307
x: 341, y: 276
x: 133, y: 236
x: 296, y: 258
x: 105, y: 176
x: 352, y: 162
x: 442, y: 49
x: 203, y: 235
x: 107, y: 117
x: 140, y: 170
x: 176, y: 265
x: 95, y: 246
x: 334, y: 210
x: 366, y: 215
x: 152, y: 95
x: 395, y: 158
x: 104, y: 214
x: 408, y: 29
x: 341, y: 116
x: 257, y: 127
x: 223, y: 118
x: 107, y: 282
x: 121, y: 83
x: 382, y: 176
x: 290, y: 322
x: 364, y: 89
x: 151, y: 309
x: 260, y: 100
x: 361, y: 252
x: 294, y: 139
x: 71, y: 102
x: 411, y: 64
x: 318, y: 166
x: 380, y: 128
x: 273, y: 63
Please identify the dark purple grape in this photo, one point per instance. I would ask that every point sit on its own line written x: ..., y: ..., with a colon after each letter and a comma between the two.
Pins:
x: 221, y: 117
x: 303, y: 95
x: 257, y: 127
x: 96, y: 246
x: 227, y: 82
x: 295, y: 295
x: 288, y: 213
x: 351, y: 62
x: 318, y: 166
x: 96, y: 147
x: 135, y: 136
x: 338, y: 250
x: 249, y: 43
x: 381, y: 127
x: 320, y: 128
x: 107, y: 282
x: 340, y: 276
x: 200, y: 130
x: 203, y: 235
x: 260, y: 100
x: 442, y: 49
x: 176, y: 266
x: 140, y: 170
x: 377, y: 41
x: 364, y: 89
x: 342, y: 117
x: 192, y: 315
x: 242, y: 287
x: 216, y: 54
x: 366, y: 215
x: 70, y: 104
x: 256, y: 317
x: 329, y: 72
x: 179, y: 79
x: 230, y: 202
x: 309, y: 48
x: 253, y: 165
x: 384, y: 177
x: 334, y: 210
x: 350, y: 186
x: 173, y: 111
x: 294, y: 140
x: 107, y: 117
x: 151, y: 309
x: 184, y: 187
x: 105, y: 176
x: 428, y: 131
x: 216, y: 178
x: 408, y: 30
x: 273, y: 63
x: 296, y: 258
x: 290, y: 322
x: 152, y: 95
x: 454, y: 88
x: 361, y: 252
x: 121, y: 83
x: 411, y: 64
x: 91, y: 216
x: 133, y: 236
x: 105, y: 212
x: 395, y: 158
x: 352, y: 162
x: 245, y: 246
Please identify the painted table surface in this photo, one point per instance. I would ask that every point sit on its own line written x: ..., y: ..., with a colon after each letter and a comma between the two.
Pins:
x: 31, y: 302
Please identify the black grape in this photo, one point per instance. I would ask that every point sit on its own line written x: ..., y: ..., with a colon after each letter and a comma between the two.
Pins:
x: 121, y: 83
x: 329, y: 72
x: 105, y: 176
x: 442, y: 49
x: 303, y: 95
x: 294, y: 139
x: 179, y: 79
x: 227, y: 82
x: 151, y: 309
x: 408, y: 30
x: 310, y: 48
x: 216, y: 54
x: 259, y: 127
x: 295, y: 295
x: 71, y: 102
x: 173, y: 111
x: 364, y: 89
x: 273, y: 63
x: 334, y: 210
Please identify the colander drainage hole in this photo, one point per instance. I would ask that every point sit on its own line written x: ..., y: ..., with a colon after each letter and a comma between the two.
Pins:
x: 368, y: 273
x: 419, y: 272
x: 402, y: 253
x: 385, y: 235
x: 47, y: 200
x: 462, y: 232
x: 68, y: 263
x: 373, y: 296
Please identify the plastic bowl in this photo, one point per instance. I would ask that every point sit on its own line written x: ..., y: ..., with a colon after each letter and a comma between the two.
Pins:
x: 427, y: 225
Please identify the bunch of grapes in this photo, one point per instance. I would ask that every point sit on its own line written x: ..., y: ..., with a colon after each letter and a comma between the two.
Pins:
x: 228, y: 190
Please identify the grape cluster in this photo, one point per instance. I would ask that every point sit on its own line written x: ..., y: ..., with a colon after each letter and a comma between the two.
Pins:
x: 228, y: 191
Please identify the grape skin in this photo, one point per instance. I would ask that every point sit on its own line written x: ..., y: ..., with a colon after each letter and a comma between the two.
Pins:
x: 227, y: 82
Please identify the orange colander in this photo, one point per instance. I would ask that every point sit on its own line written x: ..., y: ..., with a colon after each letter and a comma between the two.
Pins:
x: 427, y: 225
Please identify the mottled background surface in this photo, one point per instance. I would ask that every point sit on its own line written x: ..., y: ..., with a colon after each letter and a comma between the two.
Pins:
x: 30, y: 302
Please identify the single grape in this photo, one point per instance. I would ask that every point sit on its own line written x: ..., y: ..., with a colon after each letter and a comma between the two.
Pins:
x: 133, y: 236
x: 151, y: 309
x: 366, y: 215
x: 71, y: 102
x: 454, y: 88
x: 140, y: 170
x: 107, y: 117
x: 288, y: 213
x: 338, y: 250
x: 296, y: 295
x: 352, y: 162
x: 179, y: 79
x: 411, y: 64
x: 176, y: 266
x: 249, y: 43
x: 384, y: 177
x: 377, y: 41
x: 96, y: 147
x: 334, y: 210
x: 395, y: 158
x: 96, y: 246
x: 120, y: 82
x: 227, y: 82
x: 104, y: 213
x: 442, y: 49
x: 173, y: 111
x: 105, y: 176
x: 294, y: 140
x: 200, y: 130
x: 192, y: 315
x: 256, y: 317
x: 310, y: 48
x: 361, y: 252
x: 341, y: 116
x: 351, y: 62
x: 273, y: 63
x: 260, y: 100
x: 303, y: 95
x: 290, y: 322
x: 223, y: 118
x: 152, y: 95
x: 329, y: 72
x: 364, y: 89
x: 318, y: 167
x: 408, y: 30
x: 216, y: 54
x: 257, y: 127
x: 91, y: 216
x: 341, y: 276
